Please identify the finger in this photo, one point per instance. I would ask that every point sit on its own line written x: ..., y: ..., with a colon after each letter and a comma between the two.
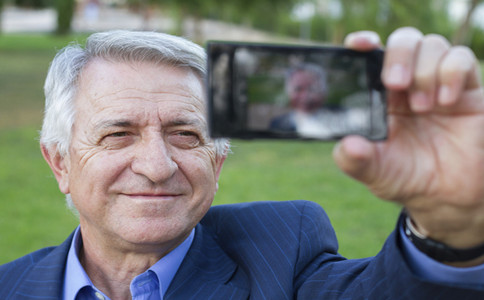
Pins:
x: 425, y: 79
x: 400, y: 55
x: 459, y: 71
x: 362, y: 41
x: 353, y: 155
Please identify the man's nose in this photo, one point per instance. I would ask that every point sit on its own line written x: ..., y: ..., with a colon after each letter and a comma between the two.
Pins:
x: 153, y: 159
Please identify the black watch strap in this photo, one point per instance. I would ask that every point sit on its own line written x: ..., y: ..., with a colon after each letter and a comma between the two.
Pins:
x: 437, y: 250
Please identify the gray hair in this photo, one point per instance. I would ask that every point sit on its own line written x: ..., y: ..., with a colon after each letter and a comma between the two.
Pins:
x: 61, y: 84
x: 317, y: 70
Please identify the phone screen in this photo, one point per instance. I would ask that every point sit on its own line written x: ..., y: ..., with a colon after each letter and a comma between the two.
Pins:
x: 273, y: 91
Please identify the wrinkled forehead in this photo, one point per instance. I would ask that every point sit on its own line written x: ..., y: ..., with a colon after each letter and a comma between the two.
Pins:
x: 304, y: 74
x: 120, y: 87
x: 104, y: 78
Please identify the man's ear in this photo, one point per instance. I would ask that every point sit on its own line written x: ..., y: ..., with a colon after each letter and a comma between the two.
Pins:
x: 57, y: 164
x: 219, y: 161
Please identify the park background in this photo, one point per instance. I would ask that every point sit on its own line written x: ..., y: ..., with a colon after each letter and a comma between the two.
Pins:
x: 32, y: 210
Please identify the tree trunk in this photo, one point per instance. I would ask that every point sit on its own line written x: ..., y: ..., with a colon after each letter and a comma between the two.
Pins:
x: 65, y: 13
x: 1, y: 10
x: 461, y: 36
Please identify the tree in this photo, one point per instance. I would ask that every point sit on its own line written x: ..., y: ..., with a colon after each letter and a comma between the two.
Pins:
x: 358, y: 15
x: 384, y: 16
x: 32, y: 3
x: 1, y: 9
x: 145, y: 8
x: 461, y: 36
x: 65, y: 13
x: 255, y: 13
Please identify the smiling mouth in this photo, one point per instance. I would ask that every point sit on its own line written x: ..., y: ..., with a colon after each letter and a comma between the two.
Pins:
x: 151, y: 196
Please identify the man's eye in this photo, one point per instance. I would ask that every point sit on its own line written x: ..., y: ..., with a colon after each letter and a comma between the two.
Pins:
x: 117, y: 134
x: 184, y: 139
x: 187, y: 133
x: 116, y: 140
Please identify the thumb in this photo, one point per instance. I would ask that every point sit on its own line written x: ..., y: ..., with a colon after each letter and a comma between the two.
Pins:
x: 354, y: 156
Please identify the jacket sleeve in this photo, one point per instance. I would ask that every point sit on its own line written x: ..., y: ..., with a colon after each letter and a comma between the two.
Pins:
x: 324, y: 275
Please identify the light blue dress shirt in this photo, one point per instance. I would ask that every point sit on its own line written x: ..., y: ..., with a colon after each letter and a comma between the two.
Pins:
x: 150, y: 285
x: 430, y: 269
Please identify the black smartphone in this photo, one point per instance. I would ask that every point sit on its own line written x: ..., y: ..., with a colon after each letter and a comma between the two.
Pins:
x: 294, y: 92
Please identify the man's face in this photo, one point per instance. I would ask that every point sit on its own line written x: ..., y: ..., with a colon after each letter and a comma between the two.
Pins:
x: 305, y: 94
x: 141, y: 168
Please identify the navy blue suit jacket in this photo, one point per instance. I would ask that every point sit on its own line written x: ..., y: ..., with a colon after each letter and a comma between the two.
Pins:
x: 258, y: 250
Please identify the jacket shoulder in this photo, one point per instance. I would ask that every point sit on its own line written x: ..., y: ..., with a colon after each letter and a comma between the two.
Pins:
x: 12, y: 273
x: 267, y: 214
x: 265, y: 207
x: 273, y: 242
x: 25, y: 261
x: 35, y: 275
x: 259, y: 214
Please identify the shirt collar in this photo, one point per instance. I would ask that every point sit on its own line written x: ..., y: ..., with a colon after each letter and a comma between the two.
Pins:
x: 166, y: 267
x: 76, y: 278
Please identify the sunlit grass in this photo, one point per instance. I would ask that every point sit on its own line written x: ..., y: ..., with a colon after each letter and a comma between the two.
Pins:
x: 32, y: 212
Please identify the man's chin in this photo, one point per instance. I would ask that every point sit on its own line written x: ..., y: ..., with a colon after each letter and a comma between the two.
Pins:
x: 145, y: 233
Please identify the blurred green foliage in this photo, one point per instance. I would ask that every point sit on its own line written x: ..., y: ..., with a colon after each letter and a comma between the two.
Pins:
x: 477, y: 42
x: 23, y: 66
x: 329, y: 20
x: 33, y: 3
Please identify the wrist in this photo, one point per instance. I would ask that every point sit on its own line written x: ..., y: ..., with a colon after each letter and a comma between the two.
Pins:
x: 460, y: 229
x: 440, y: 251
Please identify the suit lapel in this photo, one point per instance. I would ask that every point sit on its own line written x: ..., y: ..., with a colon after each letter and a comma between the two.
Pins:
x: 45, y: 279
x: 208, y: 273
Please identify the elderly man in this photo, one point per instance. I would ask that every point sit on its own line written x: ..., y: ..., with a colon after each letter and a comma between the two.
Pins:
x: 310, y: 116
x: 126, y: 138
x: 307, y: 92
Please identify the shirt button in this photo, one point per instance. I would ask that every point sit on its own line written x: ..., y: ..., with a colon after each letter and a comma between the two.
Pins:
x: 99, y: 296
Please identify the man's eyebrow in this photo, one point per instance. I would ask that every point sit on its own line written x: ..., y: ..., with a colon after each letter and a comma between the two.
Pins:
x: 113, y: 123
x: 128, y: 123
x: 182, y: 122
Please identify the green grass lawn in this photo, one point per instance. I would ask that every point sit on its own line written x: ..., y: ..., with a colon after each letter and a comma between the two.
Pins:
x: 32, y: 210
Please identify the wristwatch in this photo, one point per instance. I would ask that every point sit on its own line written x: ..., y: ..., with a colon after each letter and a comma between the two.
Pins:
x: 437, y: 250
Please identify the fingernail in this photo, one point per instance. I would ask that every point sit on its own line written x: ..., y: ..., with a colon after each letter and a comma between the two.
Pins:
x: 373, y: 37
x: 397, y: 76
x: 349, y: 40
x: 368, y: 39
